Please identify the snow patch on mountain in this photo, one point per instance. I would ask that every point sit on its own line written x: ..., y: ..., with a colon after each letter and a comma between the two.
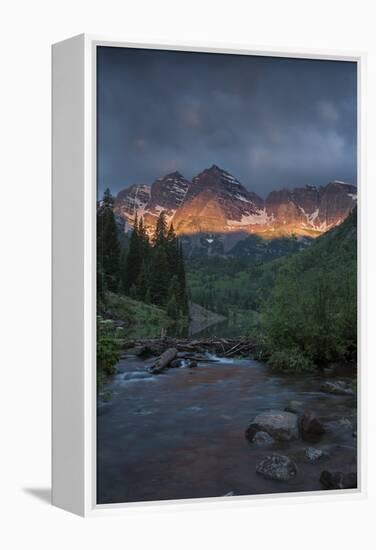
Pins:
x: 242, y: 198
x: 310, y: 217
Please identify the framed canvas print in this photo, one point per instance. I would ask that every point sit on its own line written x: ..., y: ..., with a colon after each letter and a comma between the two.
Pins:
x: 206, y: 207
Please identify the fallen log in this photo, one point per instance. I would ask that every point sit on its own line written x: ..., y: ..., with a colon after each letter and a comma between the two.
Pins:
x: 164, y: 360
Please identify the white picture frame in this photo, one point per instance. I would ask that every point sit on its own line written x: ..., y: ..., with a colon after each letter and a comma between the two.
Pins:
x: 74, y: 277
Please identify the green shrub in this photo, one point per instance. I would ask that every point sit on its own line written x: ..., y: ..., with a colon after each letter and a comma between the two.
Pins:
x: 108, y: 350
x: 108, y: 353
x: 290, y: 360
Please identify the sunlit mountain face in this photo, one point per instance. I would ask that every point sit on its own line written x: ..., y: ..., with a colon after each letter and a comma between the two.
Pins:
x: 215, y: 202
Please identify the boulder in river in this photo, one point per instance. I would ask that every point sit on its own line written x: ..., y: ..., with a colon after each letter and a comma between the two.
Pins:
x: 296, y: 407
x: 278, y: 467
x: 339, y: 387
x: 281, y: 425
x: 338, y: 480
x: 310, y: 426
x: 262, y: 439
x: 164, y: 360
x: 313, y: 454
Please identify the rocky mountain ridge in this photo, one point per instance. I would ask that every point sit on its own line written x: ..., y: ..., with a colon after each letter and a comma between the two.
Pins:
x: 215, y: 202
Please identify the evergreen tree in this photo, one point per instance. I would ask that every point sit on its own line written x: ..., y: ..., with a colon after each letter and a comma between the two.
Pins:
x: 172, y: 244
x: 133, y: 262
x: 144, y: 244
x: 154, y: 271
x: 133, y: 291
x: 159, y: 276
x: 108, y: 246
x: 160, y: 234
x: 142, y: 282
x: 148, y: 295
x: 100, y: 282
x: 108, y: 199
x: 173, y: 308
x: 182, y: 295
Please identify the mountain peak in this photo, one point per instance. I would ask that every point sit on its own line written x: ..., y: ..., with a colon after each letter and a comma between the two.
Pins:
x: 217, y: 169
x: 215, y: 175
x: 175, y: 175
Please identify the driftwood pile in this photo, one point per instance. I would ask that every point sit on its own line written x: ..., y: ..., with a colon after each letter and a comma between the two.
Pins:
x: 172, y: 350
x: 224, y: 347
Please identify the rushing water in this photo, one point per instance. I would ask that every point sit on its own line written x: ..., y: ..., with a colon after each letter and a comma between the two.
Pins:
x: 181, y: 434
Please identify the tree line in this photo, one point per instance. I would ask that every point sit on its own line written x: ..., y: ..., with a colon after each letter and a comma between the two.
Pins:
x: 148, y: 269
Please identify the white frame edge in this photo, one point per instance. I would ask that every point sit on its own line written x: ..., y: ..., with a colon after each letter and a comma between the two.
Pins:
x: 74, y: 280
x: 68, y: 338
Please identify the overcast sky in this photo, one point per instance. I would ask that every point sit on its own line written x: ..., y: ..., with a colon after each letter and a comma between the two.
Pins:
x: 271, y: 122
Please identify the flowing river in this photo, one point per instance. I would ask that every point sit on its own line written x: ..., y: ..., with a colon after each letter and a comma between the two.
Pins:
x: 182, y: 434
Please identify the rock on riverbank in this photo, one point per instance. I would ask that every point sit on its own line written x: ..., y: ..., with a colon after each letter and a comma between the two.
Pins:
x: 280, y: 425
x: 278, y: 467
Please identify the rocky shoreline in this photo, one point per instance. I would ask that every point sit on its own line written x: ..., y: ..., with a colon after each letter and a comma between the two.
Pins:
x: 275, y: 425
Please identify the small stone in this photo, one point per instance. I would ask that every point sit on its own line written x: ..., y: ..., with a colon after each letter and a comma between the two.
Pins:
x: 262, y: 439
x: 277, y: 467
x: 313, y: 454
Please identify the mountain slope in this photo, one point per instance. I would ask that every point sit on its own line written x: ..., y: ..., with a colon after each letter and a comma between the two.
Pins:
x: 167, y: 194
x: 217, y: 202
x: 132, y: 201
x: 310, y: 302
x: 309, y: 210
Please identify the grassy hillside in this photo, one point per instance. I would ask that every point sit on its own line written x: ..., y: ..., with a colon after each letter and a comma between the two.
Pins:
x: 138, y: 320
x: 120, y: 318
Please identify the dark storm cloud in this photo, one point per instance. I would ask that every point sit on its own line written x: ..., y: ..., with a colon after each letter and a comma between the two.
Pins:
x: 271, y: 122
